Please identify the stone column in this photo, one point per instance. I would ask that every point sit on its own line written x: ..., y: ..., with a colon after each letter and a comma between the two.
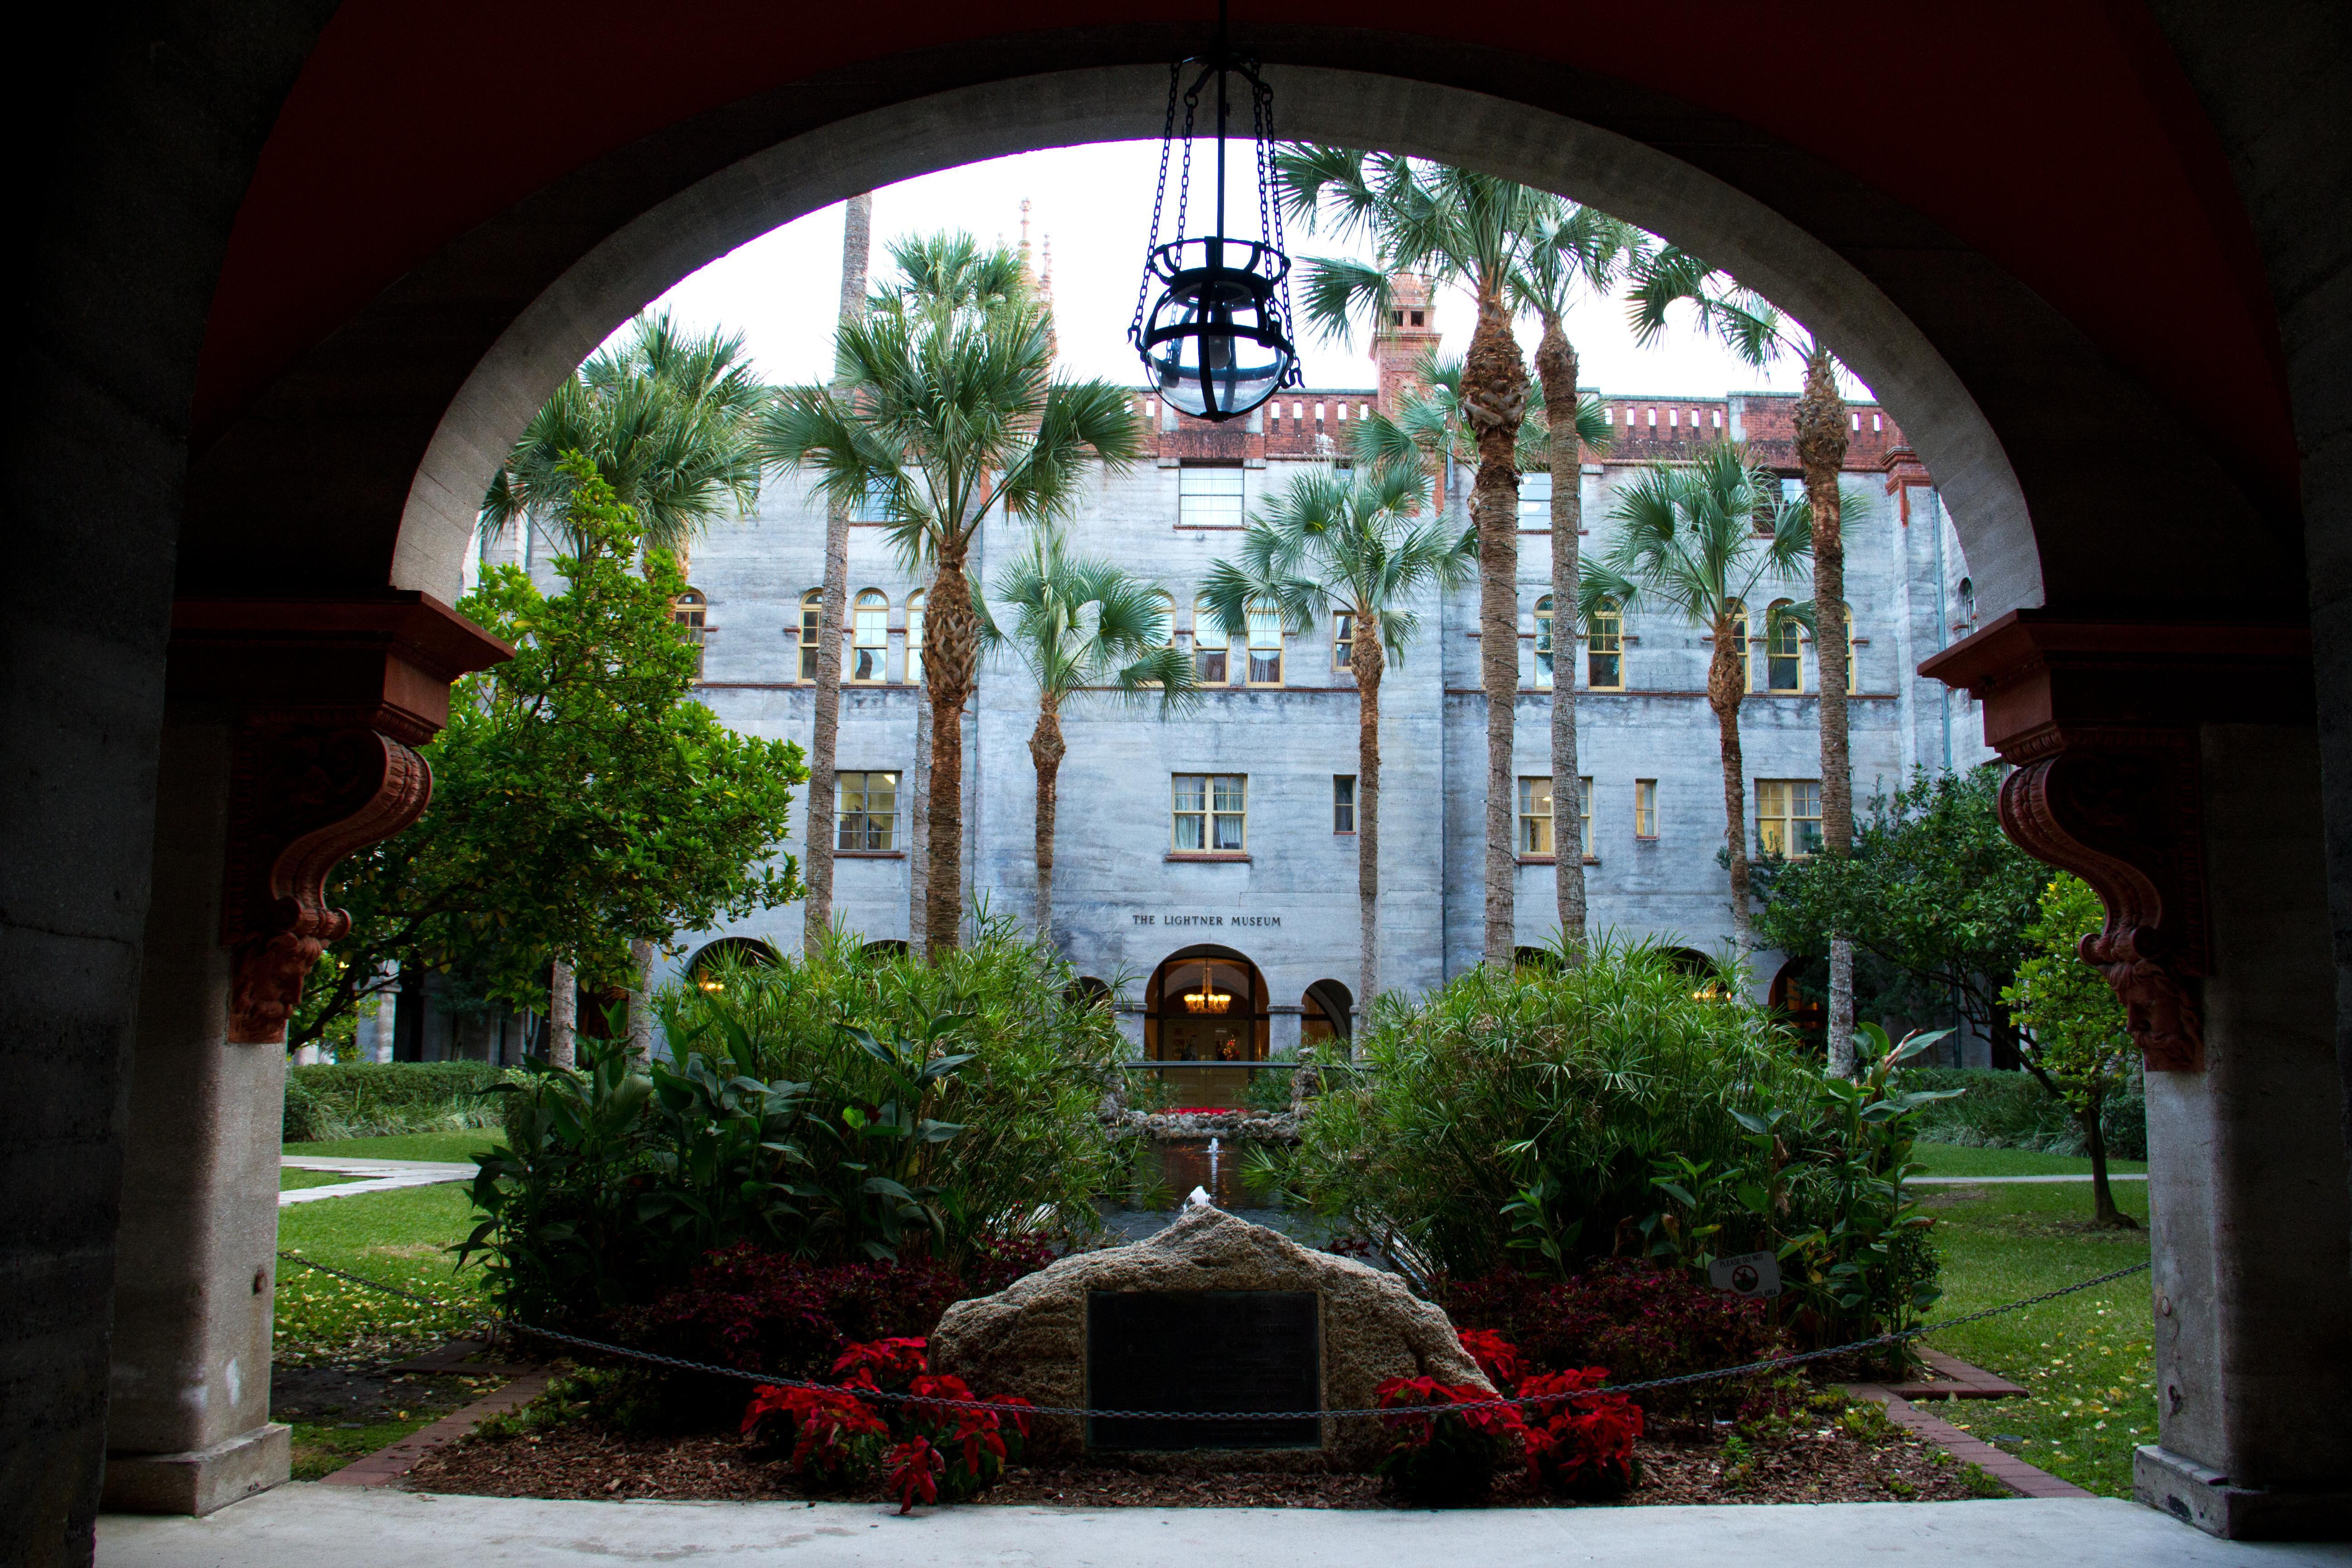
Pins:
x: 188, y: 1426
x: 1282, y: 1033
x: 2246, y: 1178
x: 2174, y: 767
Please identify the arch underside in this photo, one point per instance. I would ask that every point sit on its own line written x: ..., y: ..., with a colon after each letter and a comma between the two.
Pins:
x: 406, y: 411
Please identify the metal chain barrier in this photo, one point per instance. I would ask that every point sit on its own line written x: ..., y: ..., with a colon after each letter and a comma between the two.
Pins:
x: 1769, y: 1364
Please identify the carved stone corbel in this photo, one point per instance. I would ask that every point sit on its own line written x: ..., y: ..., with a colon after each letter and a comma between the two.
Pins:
x: 2120, y: 810
x: 2101, y: 718
x: 300, y: 800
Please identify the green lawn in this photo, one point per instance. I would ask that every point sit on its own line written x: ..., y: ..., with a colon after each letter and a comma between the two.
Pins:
x: 2088, y: 1359
x: 288, y: 1181
x: 454, y: 1147
x: 1957, y: 1160
x: 398, y: 1237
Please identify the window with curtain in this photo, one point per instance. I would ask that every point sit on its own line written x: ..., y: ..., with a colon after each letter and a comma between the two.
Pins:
x: 869, y: 650
x: 1209, y: 812
x: 1343, y: 803
x: 1604, y: 647
x: 868, y: 812
x: 1265, y: 644
x: 1645, y: 808
x: 1534, y: 817
x: 812, y: 612
x: 1208, y: 645
x: 1343, y: 639
x: 1543, y: 644
x: 914, y: 638
x: 1584, y: 817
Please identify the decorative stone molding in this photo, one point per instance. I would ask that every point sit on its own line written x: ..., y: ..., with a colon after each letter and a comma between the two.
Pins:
x: 2101, y: 720
x: 328, y: 697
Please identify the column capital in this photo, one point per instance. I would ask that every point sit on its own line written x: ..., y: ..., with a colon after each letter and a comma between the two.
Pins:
x: 2100, y: 719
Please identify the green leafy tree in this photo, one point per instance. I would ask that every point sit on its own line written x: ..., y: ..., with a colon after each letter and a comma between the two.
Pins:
x: 1078, y: 623
x: 1688, y: 539
x: 581, y: 804
x: 1757, y: 331
x: 1360, y: 546
x: 2072, y: 1034
x: 1933, y: 887
x: 950, y: 408
x: 1453, y: 226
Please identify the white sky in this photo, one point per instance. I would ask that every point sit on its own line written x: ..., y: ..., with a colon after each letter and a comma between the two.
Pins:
x: 1094, y: 203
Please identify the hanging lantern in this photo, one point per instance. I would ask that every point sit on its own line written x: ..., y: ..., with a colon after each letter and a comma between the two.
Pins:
x: 1216, y: 342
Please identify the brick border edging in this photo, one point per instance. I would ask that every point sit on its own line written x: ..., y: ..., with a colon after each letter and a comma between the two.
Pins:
x: 2005, y: 1468
x: 388, y: 1464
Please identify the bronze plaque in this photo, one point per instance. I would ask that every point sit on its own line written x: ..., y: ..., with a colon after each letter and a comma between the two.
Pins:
x: 1237, y: 1350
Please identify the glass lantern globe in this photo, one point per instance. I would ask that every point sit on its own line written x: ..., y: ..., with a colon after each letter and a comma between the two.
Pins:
x: 1215, y: 344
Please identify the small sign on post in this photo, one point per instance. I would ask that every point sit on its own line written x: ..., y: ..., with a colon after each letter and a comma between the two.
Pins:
x: 1745, y: 1274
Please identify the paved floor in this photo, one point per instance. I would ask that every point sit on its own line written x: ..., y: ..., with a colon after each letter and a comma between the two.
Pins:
x: 309, y: 1526
x: 379, y: 1175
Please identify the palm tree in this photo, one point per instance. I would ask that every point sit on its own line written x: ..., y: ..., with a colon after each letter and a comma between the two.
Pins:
x: 664, y: 416
x: 1759, y: 333
x: 1687, y: 538
x: 1361, y: 547
x: 816, y: 916
x: 949, y: 409
x: 1078, y: 623
x: 1455, y: 227
x: 1578, y: 247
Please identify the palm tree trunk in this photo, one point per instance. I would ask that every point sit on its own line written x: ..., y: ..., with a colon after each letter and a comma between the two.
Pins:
x: 1820, y: 423
x: 1046, y: 749
x: 1556, y: 367
x: 1726, y: 685
x: 919, y: 810
x: 641, y: 1001
x: 563, y: 1014
x: 1494, y: 399
x: 816, y: 911
x: 1367, y: 661
x: 950, y: 639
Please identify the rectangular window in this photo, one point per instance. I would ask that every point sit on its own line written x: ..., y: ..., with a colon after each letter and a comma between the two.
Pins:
x: 1534, y: 817
x: 1535, y: 500
x: 1265, y: 645
x: 1788, y: 817
x: 868, y: 812
x: 1343, y: 639
x: 869, y: 642
x: 1209, y: 812
x: 1604, y: 647
x: 1343, y: 803
x: 1584, y: 815
x: 1209, y: 646
x: 1784, y: 660
x: 811, y: 610
x: 915, y: 639
x: 1645, y: 808
x: 1208, y: 496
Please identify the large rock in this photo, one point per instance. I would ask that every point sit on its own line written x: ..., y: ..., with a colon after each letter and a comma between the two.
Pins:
x: 1030, y: 1339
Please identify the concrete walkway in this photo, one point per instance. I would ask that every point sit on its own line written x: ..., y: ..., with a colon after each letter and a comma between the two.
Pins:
x: 304, y: 1525
x: 381, y: 1175
x: 1997, y: 1181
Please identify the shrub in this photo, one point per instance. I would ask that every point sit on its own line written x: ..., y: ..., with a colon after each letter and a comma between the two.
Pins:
x: 376, y: 1100
x: 1580, y: 1440
x: 2009, y: 1110
x: 1639, y: 1320
x: 765, y: 1312
x: 1445, y: 1457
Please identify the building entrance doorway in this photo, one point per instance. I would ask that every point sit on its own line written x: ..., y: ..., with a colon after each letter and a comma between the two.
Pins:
x: 1205, y: 1006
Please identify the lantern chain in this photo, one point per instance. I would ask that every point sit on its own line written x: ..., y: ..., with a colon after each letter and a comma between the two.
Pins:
x: 1159, y: 201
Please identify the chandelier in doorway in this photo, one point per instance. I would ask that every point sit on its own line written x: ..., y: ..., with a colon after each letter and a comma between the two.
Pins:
x: 1216, y: 343
x: 1207, y: 999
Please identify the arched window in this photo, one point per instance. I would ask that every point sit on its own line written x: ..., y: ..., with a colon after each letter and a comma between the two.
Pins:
x: 811, y: 614
x: 690, y: 611
x: 1543, y: 644
x: 869, y: 651
x: 1343, y: 638
x: 1163, y: 630
x: 1209, y: 646
x: 1265, y: 643
x: 1853, y: 668
x: 1604, y: 647
x: 1784, y: 654
x: 915, y: 637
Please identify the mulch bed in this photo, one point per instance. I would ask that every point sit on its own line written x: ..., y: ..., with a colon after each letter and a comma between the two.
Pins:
x: 581, y: 1461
